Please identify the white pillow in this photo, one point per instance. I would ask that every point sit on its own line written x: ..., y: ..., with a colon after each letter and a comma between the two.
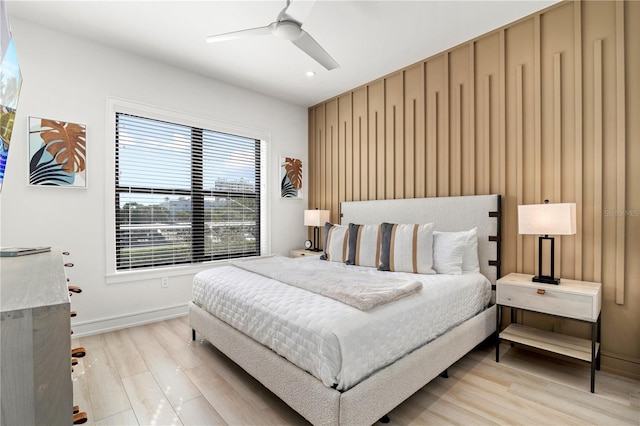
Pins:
x: 448, y: 250
x: 470, y: 261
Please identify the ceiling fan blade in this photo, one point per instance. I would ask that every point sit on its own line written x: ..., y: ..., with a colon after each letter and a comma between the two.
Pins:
x: 308, y: 45
x: 298, y: 10
x: 235, y: 35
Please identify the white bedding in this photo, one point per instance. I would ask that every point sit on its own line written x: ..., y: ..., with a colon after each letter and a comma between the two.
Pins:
x: 337, y: 343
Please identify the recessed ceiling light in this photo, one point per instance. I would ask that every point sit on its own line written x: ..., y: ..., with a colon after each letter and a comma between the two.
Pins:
x: 310, y: 73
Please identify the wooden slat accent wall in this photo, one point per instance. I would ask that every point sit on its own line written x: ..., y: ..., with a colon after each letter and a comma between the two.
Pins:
x: 545, y: 108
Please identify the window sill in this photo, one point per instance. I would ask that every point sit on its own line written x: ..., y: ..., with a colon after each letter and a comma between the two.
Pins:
x: 156, y: 273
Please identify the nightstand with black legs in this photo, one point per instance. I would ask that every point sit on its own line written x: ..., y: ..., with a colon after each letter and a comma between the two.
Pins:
x: 576, y: 300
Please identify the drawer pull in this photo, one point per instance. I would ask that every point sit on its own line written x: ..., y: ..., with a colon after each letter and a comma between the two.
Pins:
x: 540, y: 291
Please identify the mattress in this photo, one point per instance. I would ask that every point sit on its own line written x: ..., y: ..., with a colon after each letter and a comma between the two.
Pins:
x: 337, y: 343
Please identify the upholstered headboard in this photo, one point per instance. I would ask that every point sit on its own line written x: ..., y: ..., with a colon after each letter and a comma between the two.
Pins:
x: 446, y: 213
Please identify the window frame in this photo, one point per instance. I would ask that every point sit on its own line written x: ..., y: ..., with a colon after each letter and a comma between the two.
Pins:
x: 116, y: 105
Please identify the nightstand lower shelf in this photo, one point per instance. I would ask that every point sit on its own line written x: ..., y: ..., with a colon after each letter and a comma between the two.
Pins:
x: 570, y: 346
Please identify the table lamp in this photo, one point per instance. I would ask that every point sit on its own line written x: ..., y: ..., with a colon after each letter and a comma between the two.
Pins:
x: 544, y: 220
x: 316, y: 218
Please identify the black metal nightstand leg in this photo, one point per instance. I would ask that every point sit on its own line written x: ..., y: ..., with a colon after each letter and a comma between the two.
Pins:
x: 594, y: 333
x: 498, y: 320
x: 599, y: 341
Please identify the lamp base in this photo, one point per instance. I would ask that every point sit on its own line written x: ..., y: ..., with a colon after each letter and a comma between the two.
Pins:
x: 315, y: 249
x: 545, y: 279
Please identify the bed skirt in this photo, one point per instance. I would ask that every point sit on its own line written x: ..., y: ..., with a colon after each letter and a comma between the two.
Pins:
x: 364, y: 403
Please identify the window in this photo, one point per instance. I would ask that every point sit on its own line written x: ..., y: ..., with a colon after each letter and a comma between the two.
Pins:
x: 183, y: 194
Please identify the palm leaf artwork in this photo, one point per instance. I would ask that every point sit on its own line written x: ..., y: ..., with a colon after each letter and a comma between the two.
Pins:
x: 291, y: 184
x: 286, y: 189
x: 58, y: 153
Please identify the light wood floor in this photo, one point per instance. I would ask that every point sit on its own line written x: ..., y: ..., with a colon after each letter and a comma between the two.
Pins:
x: 155, y: 374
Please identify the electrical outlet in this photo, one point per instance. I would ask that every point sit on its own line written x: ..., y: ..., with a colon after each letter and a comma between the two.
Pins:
x: 164, y: 282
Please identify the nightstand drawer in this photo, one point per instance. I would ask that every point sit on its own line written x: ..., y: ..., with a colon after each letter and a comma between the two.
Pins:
x: 304, y: 253
x: 547, y: 300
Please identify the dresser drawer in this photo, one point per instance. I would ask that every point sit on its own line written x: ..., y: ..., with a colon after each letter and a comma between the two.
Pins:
x: 548, y: 299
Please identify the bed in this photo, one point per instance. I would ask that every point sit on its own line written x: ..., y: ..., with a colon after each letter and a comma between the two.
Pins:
x: 325, y: 393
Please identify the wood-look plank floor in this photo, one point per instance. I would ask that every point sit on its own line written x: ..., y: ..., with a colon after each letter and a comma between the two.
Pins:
x: 155, y: 375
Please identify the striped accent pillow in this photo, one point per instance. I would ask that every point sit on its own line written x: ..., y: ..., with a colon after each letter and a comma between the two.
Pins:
x: 364, y: 245
x: 407, y: 248
x: 335, y: 242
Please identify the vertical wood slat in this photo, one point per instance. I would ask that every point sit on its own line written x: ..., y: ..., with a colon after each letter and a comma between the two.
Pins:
x: 557, y: 143
x: 410, y: 166
x: 321, y: 152
x: 446, y: 137
x: 420, y: 136
x: 311, y: 166
x: 345, y: 140
x: 375, y: 105
x: 455, y: 186
x: 537, y: 114
x: 359, y: 156
x: 577, y: 130
x: 392, y: 145
x: 432, y: 148
x: 361, y: 138
x: 487, y: 132
x: 519, y: 155
x: 471, y: 143
x: 381, y: 170
x: 503, y: 114
x: 320, y: 200
x: 620, y: 154
x: 598, y: 159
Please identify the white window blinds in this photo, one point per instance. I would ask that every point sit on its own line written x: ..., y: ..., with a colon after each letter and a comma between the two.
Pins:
x: 184, y: 194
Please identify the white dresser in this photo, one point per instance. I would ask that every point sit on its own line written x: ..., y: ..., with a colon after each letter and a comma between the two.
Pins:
x: 35, y: 358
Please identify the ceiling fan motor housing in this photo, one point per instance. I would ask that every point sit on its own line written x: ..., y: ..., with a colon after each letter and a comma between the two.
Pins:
x: 287, y: 30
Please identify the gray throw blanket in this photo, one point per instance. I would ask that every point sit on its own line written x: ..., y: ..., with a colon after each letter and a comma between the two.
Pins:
x: 353, y: 287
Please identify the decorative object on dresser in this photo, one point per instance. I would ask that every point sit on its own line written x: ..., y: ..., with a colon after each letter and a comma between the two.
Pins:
x: 316, y: 218
x: 544, y: 220
x: 575, y: 300
x: 35, y: 341
x: 22, y: 251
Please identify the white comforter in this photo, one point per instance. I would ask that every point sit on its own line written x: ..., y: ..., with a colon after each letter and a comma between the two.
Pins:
x: 337, y: 343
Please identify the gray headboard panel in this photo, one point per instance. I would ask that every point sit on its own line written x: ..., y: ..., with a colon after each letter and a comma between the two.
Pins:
x: 446, y: 213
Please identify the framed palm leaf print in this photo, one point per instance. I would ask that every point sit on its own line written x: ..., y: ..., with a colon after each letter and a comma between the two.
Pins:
x: 290, y: 178
x: 57, y: 153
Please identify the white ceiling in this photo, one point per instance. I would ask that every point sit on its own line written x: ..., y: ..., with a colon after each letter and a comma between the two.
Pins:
x: 368, y: 38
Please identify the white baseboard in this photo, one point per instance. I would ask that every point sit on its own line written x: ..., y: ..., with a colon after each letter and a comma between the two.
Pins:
x: 103, y: 325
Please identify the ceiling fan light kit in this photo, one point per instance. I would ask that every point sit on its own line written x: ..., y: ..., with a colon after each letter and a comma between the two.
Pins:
x: 287, y: 29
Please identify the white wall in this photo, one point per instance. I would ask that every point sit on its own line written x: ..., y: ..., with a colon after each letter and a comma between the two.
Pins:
x: 70, y: 79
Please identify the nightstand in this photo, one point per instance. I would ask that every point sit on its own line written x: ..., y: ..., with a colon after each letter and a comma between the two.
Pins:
x: 576, y: 300
x: 304, y: 253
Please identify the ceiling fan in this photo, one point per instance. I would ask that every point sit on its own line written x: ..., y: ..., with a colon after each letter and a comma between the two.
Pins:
x: 286, y: 28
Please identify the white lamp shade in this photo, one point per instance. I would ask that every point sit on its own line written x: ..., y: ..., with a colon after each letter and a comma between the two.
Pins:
x: 547, y: 219
x: 316, y: 217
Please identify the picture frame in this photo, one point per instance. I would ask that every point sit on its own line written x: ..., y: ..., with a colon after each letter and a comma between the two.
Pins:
x: 57, y: 153
x: 290, y: 178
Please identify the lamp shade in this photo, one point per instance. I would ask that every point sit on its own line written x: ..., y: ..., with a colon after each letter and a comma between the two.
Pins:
x: 547, y: 219
x: 316, y: 217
